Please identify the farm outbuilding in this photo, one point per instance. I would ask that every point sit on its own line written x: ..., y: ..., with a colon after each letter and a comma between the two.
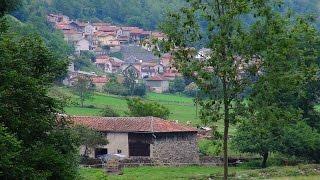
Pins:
x: 163, y: 141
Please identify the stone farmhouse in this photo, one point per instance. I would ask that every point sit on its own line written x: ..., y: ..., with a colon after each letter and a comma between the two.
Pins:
x: 163, y: 141
x: 158, y: 84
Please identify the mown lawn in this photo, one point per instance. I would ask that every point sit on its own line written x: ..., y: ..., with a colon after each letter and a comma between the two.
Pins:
x: 300, y: 172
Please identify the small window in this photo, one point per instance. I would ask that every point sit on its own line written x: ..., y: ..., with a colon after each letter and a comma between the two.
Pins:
x: 119, y: 151
x: 100, y: 152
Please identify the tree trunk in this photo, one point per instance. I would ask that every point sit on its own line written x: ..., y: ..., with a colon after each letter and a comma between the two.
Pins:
x: 265, y: 156
x: 226, y: 130
x: 82, y: 102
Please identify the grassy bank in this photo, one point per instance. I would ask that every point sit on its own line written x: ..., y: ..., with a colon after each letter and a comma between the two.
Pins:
x: 197, y: 172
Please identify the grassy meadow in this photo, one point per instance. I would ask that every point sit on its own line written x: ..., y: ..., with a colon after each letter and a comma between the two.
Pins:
x: 182, y: 108
x: 300, y: 172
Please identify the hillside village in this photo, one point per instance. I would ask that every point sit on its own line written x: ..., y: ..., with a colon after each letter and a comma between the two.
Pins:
x: 105, y: 38
x: 149, y: 89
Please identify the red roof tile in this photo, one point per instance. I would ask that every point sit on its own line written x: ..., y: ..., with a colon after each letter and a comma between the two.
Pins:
x: 108, y: 28
x: 168, y: 74
x: 157, y: 78
x: 131, y: 124
x: 100, y: 79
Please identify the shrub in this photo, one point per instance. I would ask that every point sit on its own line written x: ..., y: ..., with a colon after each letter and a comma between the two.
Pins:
x: 210, y: 147
x: 109, y: 112
x: 191, y: 90
x: 140, y: 90
x: 116, y: 89
x: 139, y: 108
x: 177, y: 85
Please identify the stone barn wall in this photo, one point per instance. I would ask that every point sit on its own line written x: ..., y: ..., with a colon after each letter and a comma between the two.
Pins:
x: 175, y: 148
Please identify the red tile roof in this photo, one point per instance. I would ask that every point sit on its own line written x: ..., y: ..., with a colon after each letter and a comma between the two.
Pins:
x: 108, y: 28
x: 168, y: 74
x: 100, y: 79
x: 136, y: 31
x: 102, y: 59
x: 131, y: 124
x: 157, y: 78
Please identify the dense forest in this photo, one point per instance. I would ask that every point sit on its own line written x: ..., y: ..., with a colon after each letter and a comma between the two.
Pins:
x: 142, y: 13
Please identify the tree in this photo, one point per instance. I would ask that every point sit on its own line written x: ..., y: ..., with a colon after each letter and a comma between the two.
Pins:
x: 191, y: 90
x: 221, y: 27
x: 140, y: 90
x: 177, y: 85
x: 139, y: 108
x: 49, y: 149
x: 275, y: 104
x: 8, y: 6
x: 83, y: 88
x: 130, y: 78
x: 109, y: 112
x: 90, y: 139
x: 10, y: 148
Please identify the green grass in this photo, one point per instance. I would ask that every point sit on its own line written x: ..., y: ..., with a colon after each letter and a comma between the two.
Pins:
x: 300, y: 172
x: 182, y: 108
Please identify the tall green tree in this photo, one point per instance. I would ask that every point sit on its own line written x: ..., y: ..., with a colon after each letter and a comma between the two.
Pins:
x: 227, y: 66
x: 48, y: 146
x: 83, y: 88
x: 130, y: 78
x: 280, y: 99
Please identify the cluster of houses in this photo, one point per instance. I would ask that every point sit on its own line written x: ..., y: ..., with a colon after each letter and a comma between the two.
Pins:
x: 105, y: 38
x: 96, y: 37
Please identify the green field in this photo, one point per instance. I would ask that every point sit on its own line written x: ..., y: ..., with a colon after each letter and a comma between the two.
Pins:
x: 300, y: 172
x: 182, y: 108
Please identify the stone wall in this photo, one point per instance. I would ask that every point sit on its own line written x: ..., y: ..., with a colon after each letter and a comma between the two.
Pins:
x: 175, y: 148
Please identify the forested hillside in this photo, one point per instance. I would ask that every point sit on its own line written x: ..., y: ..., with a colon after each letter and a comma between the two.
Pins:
x: 142, y: 13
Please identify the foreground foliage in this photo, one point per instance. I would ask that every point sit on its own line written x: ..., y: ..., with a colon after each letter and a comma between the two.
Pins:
x: 34, y: 143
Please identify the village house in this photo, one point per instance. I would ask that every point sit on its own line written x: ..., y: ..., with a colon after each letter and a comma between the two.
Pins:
x: 82, y: 45
x: 72, y: 36
x: 109, y: 64
x: 158, y: 84
x: 105, y: 38
x: 99, y: 82
x: 158, y: 35
x: 163, y: 141
x: 104, y: 63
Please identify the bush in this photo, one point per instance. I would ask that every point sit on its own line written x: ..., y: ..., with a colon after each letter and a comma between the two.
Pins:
x: 177, y: 85
x: 302, y: 141
x: 191, y: 90
x: 210, y: 147
x: 109, y: 112
x: 139, y: 108
x: 116, y: 89
x: 140, y: 90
